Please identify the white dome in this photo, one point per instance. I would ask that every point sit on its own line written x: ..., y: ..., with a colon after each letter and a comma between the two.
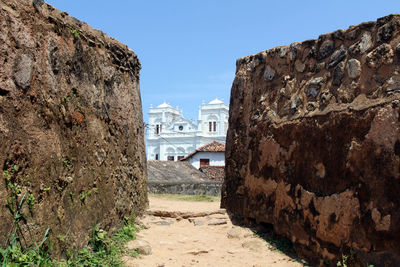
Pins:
x: 164, y: 105
x: 216, y: 101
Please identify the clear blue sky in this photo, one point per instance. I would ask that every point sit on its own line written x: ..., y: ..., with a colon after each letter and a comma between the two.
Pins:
x: 188, y: 48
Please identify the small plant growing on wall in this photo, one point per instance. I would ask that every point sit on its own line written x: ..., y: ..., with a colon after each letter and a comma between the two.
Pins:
x: 75, y: 33
x: 31, y: 201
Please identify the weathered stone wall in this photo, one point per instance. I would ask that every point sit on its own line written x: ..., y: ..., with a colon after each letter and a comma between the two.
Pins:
x: 208, y: 188
x: 71, y: 131
x: 314, y: 142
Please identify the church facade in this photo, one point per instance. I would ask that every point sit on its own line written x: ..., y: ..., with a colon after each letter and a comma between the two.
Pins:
x: 170, y: 136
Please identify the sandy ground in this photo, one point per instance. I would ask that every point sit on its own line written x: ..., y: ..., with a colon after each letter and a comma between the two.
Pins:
x: 193, y: 242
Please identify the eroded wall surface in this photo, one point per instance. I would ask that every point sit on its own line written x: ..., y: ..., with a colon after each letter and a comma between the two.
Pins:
x: 314, y: 142
x: 208, y: 188
x: 71, y: 130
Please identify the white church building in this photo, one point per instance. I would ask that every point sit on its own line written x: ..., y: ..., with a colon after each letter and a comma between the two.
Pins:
x: 172, y: 137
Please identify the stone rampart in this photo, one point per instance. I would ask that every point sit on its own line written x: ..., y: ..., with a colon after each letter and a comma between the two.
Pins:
x: 313, y: 146
x: 71, y: 129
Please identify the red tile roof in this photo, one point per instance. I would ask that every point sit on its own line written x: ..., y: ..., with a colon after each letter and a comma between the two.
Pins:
x: 213, y: 146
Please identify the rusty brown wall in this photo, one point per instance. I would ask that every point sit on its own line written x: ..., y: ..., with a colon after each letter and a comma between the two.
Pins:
x: 313, y: 143
x: 71, y: 131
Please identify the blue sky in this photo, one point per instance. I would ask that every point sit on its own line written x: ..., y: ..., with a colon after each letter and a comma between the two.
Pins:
x: 188, y: 48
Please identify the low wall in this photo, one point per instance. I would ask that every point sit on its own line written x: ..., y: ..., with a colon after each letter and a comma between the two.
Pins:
x: 209, y: 188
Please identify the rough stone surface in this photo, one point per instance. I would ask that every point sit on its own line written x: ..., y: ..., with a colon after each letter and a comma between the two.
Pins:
x: 383, y: 54
x: 269, y: 73
x: 214, y: 173
x: 158, y: 170
x: 23, y: 71
x: 209, y: 188
x: 386, y: 31
x: 217, y: 222
x: 71, y: 131
x: 300, y: 66
x: 254, y: 245
x: 326, y: 48
x: 338, y: 56
x: 321, y: 161
x: 235, y: 232
x: 353, y: 68
x: 184, y: 215
x: 141, y: 246
x: 363, y: 45
x: 197, y: 222
x: 338, y: 74
x: 164, y: 223
x: 171, y: 177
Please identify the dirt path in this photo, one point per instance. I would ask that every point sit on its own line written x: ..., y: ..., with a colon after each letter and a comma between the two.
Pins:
x: 208, y: 240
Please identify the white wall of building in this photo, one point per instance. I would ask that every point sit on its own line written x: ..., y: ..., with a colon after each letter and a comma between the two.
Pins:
x: 216, y: 158
x: 170, y: 134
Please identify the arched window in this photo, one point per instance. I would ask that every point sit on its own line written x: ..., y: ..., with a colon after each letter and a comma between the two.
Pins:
x: 212, y: 123
x: 170, y: 154
x: 157, y: 126
x: 180, y: 153
x: 156, y: 153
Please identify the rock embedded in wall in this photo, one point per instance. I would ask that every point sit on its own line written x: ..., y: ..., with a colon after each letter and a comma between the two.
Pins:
x: 313, y: 146
x: 71, y: 126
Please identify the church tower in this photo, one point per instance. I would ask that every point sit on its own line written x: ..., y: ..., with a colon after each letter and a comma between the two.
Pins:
x: 171, y: 137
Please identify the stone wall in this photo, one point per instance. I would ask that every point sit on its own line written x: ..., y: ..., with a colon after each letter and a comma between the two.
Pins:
x: 214, y: 173
x: 314, y: 142
x: 208, y: 188
x: 71, y: 130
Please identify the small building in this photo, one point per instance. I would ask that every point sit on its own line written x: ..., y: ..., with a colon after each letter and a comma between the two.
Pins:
x: 211, y: 154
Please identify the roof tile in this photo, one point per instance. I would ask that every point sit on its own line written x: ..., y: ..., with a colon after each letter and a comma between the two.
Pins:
x: 213, y: 146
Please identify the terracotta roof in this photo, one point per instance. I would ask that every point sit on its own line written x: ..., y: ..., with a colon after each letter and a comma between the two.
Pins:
x: 213, y: 146
x: 216, y: 173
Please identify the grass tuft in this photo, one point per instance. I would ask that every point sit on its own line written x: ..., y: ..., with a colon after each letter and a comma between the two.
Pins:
x: 103, y: 250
